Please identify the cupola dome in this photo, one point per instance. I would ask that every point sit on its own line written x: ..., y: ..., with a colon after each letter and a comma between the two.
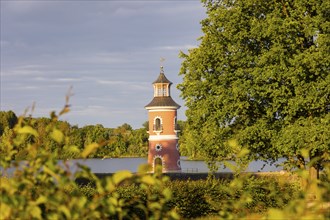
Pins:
x: 162, y: 95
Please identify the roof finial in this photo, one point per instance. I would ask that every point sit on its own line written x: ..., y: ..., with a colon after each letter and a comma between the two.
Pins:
x: 162, y: 59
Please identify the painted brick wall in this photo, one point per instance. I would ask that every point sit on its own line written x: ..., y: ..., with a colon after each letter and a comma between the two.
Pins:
x: 167, y: 119
x: 168, y: 153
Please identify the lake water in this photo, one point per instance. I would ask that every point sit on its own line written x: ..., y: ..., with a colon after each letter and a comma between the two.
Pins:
x: 111, y: 165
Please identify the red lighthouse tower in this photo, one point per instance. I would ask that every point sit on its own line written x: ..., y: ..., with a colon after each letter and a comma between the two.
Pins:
x: 163, y: 129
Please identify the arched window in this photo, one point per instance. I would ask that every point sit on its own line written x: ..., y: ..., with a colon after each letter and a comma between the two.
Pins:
x: 158, y: 125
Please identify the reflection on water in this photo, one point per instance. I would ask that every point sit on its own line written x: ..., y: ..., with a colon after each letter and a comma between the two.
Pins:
x: 111, y: 165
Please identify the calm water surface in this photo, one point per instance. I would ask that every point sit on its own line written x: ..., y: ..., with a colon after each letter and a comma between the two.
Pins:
x: 112, y: 165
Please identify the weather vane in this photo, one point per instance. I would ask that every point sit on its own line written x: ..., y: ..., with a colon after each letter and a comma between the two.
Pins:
x: 162, y: 59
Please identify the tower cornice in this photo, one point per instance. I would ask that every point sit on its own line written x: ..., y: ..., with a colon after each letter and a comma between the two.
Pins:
x: 162, y: 137
x: 163, y: 101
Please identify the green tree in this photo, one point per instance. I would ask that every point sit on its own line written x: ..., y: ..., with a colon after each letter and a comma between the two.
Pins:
x: 123, y: 135
x: 146, y: 125
x: 185, y: 149
x: 76, y: 137
x: 99, y: 134
x: 261, y: 76
x: 138, y: 142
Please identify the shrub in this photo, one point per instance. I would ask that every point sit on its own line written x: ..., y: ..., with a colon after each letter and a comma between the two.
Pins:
x: 193, y: 199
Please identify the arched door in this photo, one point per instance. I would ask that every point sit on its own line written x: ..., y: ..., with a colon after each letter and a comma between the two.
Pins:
x: 158, y: 164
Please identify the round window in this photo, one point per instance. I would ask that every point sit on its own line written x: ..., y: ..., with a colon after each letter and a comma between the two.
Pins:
x: 158, y: 147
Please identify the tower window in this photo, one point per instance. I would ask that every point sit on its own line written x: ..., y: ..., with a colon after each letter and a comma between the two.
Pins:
x: 158, y: 125
x: 158, y: 147
x: 164, y: 91
x: 161, y: 90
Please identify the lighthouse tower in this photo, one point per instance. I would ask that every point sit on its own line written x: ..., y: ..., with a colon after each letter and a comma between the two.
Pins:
x: 163, y: 129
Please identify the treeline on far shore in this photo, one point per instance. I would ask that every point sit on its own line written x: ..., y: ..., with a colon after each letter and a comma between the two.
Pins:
x: 116, y: 142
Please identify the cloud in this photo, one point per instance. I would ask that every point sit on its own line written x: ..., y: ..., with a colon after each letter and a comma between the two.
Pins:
x: 115, y: 115
x: 127, y: 11
x: 98, y: 58
x: 90, y: 110
x: 108, y: 50
x: 20, y: 7
x: 101, y: 99
x: 23, y: 87
x: 177, y: 47
x: 69, y: 79
x: 4, y: 43
x: 112, y: 82
x: 128, y: 85
x: 29, y: 69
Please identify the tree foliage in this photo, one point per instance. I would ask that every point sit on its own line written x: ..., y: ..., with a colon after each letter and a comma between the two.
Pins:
x: 261, y: 76
x: 115, y: 142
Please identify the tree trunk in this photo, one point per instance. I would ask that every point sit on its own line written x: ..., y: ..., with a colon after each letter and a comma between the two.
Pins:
x: 312, y: 184
x: 302, y: 166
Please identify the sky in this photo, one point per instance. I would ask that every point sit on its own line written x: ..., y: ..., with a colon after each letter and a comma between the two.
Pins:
x: 108, y: 51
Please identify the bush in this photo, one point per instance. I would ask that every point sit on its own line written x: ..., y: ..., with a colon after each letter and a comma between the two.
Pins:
x: 193, y: 199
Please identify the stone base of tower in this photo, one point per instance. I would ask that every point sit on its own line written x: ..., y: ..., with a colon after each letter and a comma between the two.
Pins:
x: 166, y: 154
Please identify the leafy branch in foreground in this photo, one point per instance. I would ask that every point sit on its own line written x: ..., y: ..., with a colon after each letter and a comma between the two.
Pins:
x: 42, y: 188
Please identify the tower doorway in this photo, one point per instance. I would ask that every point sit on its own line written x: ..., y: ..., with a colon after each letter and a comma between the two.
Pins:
x: 158, y: 164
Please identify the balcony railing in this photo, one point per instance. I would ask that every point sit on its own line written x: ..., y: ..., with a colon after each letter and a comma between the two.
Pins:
x: 158, y: 127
